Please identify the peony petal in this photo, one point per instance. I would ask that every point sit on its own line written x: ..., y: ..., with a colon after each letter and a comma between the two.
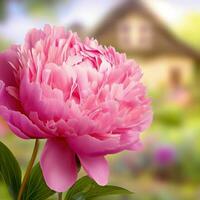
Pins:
x: 33, y: 97
x: 7, y: 100
x: 96, y: 167
x: 17, y: 131
x: 7, y: 59
x: 21, y: 125
x: 97, y: 147
x: 33, y: 36
x: 58, y: 165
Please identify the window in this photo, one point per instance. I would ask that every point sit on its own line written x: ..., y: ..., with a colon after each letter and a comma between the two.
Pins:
x: 135, y: 33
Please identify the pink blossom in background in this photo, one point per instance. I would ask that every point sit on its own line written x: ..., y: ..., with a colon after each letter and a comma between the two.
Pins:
x: 85, y: 99
x: 165, y: 155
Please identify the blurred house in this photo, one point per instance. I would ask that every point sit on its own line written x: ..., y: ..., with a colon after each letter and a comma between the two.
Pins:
x: 132, y: 27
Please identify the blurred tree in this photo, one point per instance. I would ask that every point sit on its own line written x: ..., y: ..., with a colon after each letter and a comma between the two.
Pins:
x: 42, y: 7
x: 189, y: 30
x: 2, y: 9
x: 4, y: 44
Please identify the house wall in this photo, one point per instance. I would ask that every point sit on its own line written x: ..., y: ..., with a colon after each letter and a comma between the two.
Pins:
x: 157, y: 71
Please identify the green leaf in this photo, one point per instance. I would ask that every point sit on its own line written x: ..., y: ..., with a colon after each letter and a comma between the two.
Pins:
x: 10, y: 170
x: 36, y: 188
x: 86, y: 189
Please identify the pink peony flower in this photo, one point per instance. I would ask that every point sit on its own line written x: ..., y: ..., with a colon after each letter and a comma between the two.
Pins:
x: 85, y: 99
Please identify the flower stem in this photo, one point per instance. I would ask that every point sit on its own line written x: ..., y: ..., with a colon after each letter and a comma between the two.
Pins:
x: 29, y: 168
x: 60, y: 196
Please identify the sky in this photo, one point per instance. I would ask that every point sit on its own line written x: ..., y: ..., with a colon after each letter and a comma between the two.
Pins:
x: 86, y: 12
